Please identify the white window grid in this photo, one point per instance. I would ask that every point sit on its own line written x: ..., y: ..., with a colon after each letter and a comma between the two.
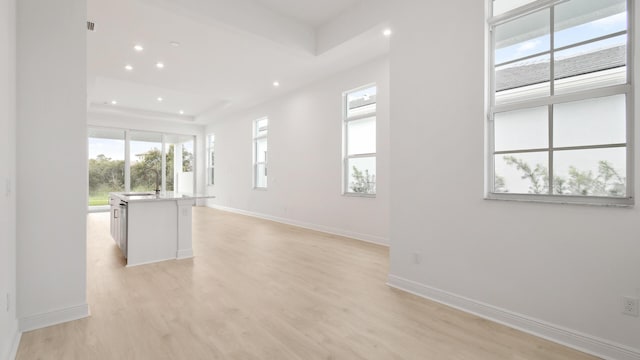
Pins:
x: 345, y: 136
x: 553, y: 99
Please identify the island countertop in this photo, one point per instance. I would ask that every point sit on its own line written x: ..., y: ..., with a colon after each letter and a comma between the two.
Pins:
x: 150, y: 228
x: 162, y: 196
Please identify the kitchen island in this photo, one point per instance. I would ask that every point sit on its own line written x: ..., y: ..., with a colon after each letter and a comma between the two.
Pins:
x: 149, y: 228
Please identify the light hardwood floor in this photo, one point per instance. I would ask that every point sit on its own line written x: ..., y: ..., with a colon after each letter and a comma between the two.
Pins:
x: 262, y: 290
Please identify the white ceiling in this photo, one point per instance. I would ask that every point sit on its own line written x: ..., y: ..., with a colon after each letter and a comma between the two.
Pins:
x: 312, y: 12
x: 230, y: 53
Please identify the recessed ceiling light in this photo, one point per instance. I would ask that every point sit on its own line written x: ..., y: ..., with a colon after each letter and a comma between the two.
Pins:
x: 387, y: 32
x: 160, y: 99
x: 181, y: 112
x: 113, y: 102
x: 160, y: 65
x: 138, y: 48
x: 128, y: 67
x: 276, y: 84
x: 174, y: 43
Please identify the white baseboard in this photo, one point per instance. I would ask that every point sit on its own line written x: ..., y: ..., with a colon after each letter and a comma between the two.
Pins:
x: 14, y: 346
x: 129, y: 265
x: 574, y: 339
x: 184, y: 254
x: 54, y: 317
x: 325, y: 229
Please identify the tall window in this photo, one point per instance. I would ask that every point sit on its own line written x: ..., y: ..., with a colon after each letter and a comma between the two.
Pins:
x: 359, y: 128
x: 260, y: 130
x: 210, y: 159
x: 560, y: 104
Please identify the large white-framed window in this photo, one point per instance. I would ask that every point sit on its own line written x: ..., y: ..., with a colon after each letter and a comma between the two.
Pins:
x: 124, y: 160
x: 260, y: 133
x: 359, y: 141
x: 560, y: 116
x: 211, y: 138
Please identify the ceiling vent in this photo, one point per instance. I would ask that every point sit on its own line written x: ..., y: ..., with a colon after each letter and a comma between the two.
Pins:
x: 91, y: 26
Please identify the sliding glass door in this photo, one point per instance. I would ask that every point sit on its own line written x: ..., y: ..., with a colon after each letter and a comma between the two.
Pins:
x: 179, y: 163
x: 139, y: 161
x: 106, y: 164
x: 145, y: 161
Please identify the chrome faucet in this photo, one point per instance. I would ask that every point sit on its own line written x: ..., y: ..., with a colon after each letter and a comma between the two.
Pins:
x: 157, y: 182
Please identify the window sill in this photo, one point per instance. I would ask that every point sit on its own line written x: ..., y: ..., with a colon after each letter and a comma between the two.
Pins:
x: 565, y: 200
x: 356, y: 195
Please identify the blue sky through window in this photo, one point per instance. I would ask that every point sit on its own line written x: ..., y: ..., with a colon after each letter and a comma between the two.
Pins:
x: 572, y: 35
x: 113, y: 149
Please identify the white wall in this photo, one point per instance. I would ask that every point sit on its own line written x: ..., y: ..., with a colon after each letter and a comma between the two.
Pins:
x: 353, y: 22
x: 8, y: 323
x: 121, y: 121
x: 305, y: 157
x: 51, y: 161
x: 565, y: 266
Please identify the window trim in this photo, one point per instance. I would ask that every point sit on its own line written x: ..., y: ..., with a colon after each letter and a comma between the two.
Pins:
x: 345, y: 143
x: 257, y: 138
x: 627, y: 89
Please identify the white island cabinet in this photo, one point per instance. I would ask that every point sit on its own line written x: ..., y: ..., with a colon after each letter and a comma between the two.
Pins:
x: 149, y: 228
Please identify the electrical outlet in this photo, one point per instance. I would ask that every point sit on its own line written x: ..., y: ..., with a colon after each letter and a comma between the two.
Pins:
x: 630, y: 306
